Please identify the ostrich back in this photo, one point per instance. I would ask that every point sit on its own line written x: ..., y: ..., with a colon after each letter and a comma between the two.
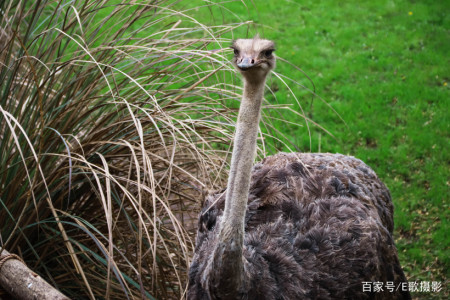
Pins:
x: 317, y: 227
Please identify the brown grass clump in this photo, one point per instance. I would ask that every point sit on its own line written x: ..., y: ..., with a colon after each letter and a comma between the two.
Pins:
x: 113, y: 124
x: 111, y: 127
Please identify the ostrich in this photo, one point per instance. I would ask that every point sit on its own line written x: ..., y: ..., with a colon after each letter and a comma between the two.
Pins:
x: 297, y: 226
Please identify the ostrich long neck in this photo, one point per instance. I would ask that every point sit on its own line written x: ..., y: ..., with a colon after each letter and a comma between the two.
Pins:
x: 226, y: 265
x: 244, y: 151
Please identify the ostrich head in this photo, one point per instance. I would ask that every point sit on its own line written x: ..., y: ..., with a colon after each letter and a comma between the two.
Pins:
x: 254, y: 58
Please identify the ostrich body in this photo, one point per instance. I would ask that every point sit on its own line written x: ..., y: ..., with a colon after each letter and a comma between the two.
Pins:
x: 297, y: 226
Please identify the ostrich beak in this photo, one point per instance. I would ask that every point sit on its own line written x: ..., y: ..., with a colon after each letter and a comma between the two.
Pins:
x: 246, y: 63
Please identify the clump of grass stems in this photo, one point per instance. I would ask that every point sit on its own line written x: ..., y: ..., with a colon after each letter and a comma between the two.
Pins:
x: 113, y: 123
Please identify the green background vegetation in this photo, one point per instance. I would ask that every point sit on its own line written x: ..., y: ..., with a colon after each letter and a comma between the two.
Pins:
x: 383, y: 66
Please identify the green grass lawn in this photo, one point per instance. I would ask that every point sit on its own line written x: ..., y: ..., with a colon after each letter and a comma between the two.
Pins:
x: 383, y: 66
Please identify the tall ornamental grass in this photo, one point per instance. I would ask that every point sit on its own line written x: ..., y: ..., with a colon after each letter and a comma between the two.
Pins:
x: 115, y: 119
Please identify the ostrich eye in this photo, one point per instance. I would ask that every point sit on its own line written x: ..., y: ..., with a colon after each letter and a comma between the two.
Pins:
x: 268, y: 53
x: 236, y: 52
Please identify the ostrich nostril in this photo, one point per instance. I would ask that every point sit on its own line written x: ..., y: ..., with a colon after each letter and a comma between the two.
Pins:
x: 253, y: 61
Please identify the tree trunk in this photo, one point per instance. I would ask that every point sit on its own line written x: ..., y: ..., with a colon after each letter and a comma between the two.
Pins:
x: 22, y: 283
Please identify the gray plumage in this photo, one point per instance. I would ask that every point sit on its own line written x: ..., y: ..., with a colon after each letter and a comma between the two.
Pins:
x: 295, y: 226
x: 317, y: 227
